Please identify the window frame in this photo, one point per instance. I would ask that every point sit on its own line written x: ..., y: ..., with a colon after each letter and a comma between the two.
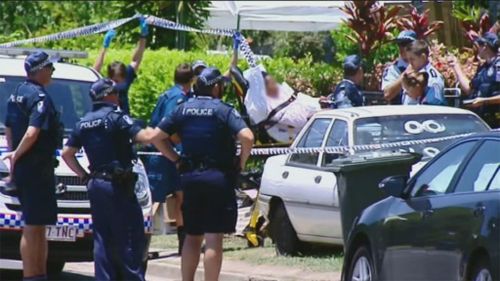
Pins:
x: 451, y: 186
x: 349, y: 137
x: 305, y: 134
x: 460, y: 170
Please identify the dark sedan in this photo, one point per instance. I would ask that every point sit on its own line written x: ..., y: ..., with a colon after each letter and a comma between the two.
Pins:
x: 442, y: 224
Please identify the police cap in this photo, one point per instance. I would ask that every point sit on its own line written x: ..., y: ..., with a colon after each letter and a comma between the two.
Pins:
x: 208, y: 78
x: 352, y: 63
x: 101, y: 88
x: 490, y: 39
x: 406, y: 36
x: 38, y: 60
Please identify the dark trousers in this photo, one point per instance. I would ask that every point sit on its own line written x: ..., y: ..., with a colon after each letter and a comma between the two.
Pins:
x: 118, y: 229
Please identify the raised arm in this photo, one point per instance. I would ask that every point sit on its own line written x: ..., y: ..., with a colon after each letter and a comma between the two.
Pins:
x: 105, y: 45
x: 236, y: 48
x: 141, y: 45
x: 461, y: 77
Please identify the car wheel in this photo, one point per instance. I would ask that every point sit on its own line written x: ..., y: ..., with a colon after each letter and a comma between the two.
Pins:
x: 284, y: 236
x: 481, y: 271
x: 55, y: 268
x: 362, y: 267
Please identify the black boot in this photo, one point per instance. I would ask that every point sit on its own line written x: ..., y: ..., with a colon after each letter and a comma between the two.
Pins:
x: 180, y: 236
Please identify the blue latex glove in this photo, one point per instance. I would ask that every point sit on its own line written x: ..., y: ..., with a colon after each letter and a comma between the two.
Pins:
x: 143, y: 26
x: 108, y: 37
x: 236, y: 40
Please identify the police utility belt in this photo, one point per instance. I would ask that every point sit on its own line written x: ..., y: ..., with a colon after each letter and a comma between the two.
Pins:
x: 187, y: 164
x: 121, y: 177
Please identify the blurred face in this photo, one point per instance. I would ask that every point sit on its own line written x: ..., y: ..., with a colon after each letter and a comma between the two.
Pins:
x: 484, y: 51
x: 118, y: 77
x: 402, y: 51
x: 218, y: 90
x: 416, y: 61
x: 272, y: 87
x: 44, y: 75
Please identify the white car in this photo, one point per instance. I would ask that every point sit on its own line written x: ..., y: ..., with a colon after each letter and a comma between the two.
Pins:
x: 298, y: 196
x: 71, y: 238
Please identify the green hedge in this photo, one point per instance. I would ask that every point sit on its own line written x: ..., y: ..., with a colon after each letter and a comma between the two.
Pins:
x: 157, y: 72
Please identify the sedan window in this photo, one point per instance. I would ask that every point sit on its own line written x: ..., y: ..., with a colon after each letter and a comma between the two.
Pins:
x: 481, y: 173
x: 338, y: 136
x: 313, y: 137
x: 437, y: 177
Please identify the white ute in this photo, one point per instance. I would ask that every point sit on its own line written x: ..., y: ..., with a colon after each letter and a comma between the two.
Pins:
x: 298, y: 196
x: 71, y: 238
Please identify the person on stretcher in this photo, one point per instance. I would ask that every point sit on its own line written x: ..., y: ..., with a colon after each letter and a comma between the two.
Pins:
x: 274, y: 107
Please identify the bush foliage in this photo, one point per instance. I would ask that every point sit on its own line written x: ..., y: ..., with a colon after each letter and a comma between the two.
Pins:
x: 157, y: 72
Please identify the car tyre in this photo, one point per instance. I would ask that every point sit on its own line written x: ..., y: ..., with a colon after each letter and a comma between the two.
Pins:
x: 361, y: 266
x: 283, y: 234
x: 481, y: 271
x: 54, y: 268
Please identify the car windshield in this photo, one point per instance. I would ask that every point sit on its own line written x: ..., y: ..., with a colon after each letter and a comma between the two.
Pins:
x: 385, y: 129
x: 70, y: 97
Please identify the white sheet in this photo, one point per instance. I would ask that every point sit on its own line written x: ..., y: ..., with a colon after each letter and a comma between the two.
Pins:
x: 290, y: 119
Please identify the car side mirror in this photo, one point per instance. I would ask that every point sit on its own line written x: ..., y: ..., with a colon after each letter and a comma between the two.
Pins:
x: 393, y: 185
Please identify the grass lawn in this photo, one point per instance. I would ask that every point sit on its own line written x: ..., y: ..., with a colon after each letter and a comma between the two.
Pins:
x: 322, y: 259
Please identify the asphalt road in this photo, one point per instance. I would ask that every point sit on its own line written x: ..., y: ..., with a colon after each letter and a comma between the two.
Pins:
x: 82, y: 271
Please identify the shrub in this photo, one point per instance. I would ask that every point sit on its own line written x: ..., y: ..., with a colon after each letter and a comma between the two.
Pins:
x: 157, y: 72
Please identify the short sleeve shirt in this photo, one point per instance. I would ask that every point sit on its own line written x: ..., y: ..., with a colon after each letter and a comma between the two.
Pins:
x: 391, y: 74
x: 30, y: 105
x: 434, y: 92
x: 106, y: 134
x: 124, y: 87
x: 347, y: 94
x: 207, y: 127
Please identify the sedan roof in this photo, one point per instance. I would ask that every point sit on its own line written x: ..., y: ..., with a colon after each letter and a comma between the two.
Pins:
x: 390, y: 110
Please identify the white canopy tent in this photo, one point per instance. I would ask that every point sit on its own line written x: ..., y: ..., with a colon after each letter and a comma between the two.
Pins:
x: 278, y: 15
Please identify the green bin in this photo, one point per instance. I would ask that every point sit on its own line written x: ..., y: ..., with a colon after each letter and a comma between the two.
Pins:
x: 358, y: 177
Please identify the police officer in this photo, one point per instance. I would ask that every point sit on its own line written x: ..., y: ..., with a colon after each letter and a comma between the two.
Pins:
x: 106, y: 134
x: 392, y: 77
x: 485, y: 85
x: 207, y: 127
x: 348, y: 91
x: 162, y: 173
x: 33, y: 134
x: 124, y: 75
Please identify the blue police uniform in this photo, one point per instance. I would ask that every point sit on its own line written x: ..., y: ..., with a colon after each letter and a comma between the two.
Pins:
x: 124, y: 87
x: 162, y: 173
x: 347, y: 94
x: 391, y: 74
x: 30, y: 105
x: 207, y: 127
x: 106, y: 134
x: 486, y: 83
x: 394, y: 70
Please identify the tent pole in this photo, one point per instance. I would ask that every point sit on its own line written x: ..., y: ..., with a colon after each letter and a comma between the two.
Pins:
x: 238, y: 23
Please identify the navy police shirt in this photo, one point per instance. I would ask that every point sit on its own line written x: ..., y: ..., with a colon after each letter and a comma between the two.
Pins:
x: 347, y: 94
x: 124, y: 87
x: 30, y: 105
x: 486, y: 82
x: 207, y: 128
x: 106, y: 134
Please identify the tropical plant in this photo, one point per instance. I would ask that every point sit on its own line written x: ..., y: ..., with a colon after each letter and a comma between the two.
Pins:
x: 419, y: 22
x: 473, y: 18
x: 371, y: 22
x: 157, y: 72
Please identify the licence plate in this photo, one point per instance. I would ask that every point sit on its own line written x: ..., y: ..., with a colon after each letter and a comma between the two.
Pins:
x: 67, y: 233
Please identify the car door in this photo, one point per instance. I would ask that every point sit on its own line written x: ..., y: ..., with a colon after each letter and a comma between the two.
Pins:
x: 461, y: 216
x: 309, y: 199
x: 407, y: 224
